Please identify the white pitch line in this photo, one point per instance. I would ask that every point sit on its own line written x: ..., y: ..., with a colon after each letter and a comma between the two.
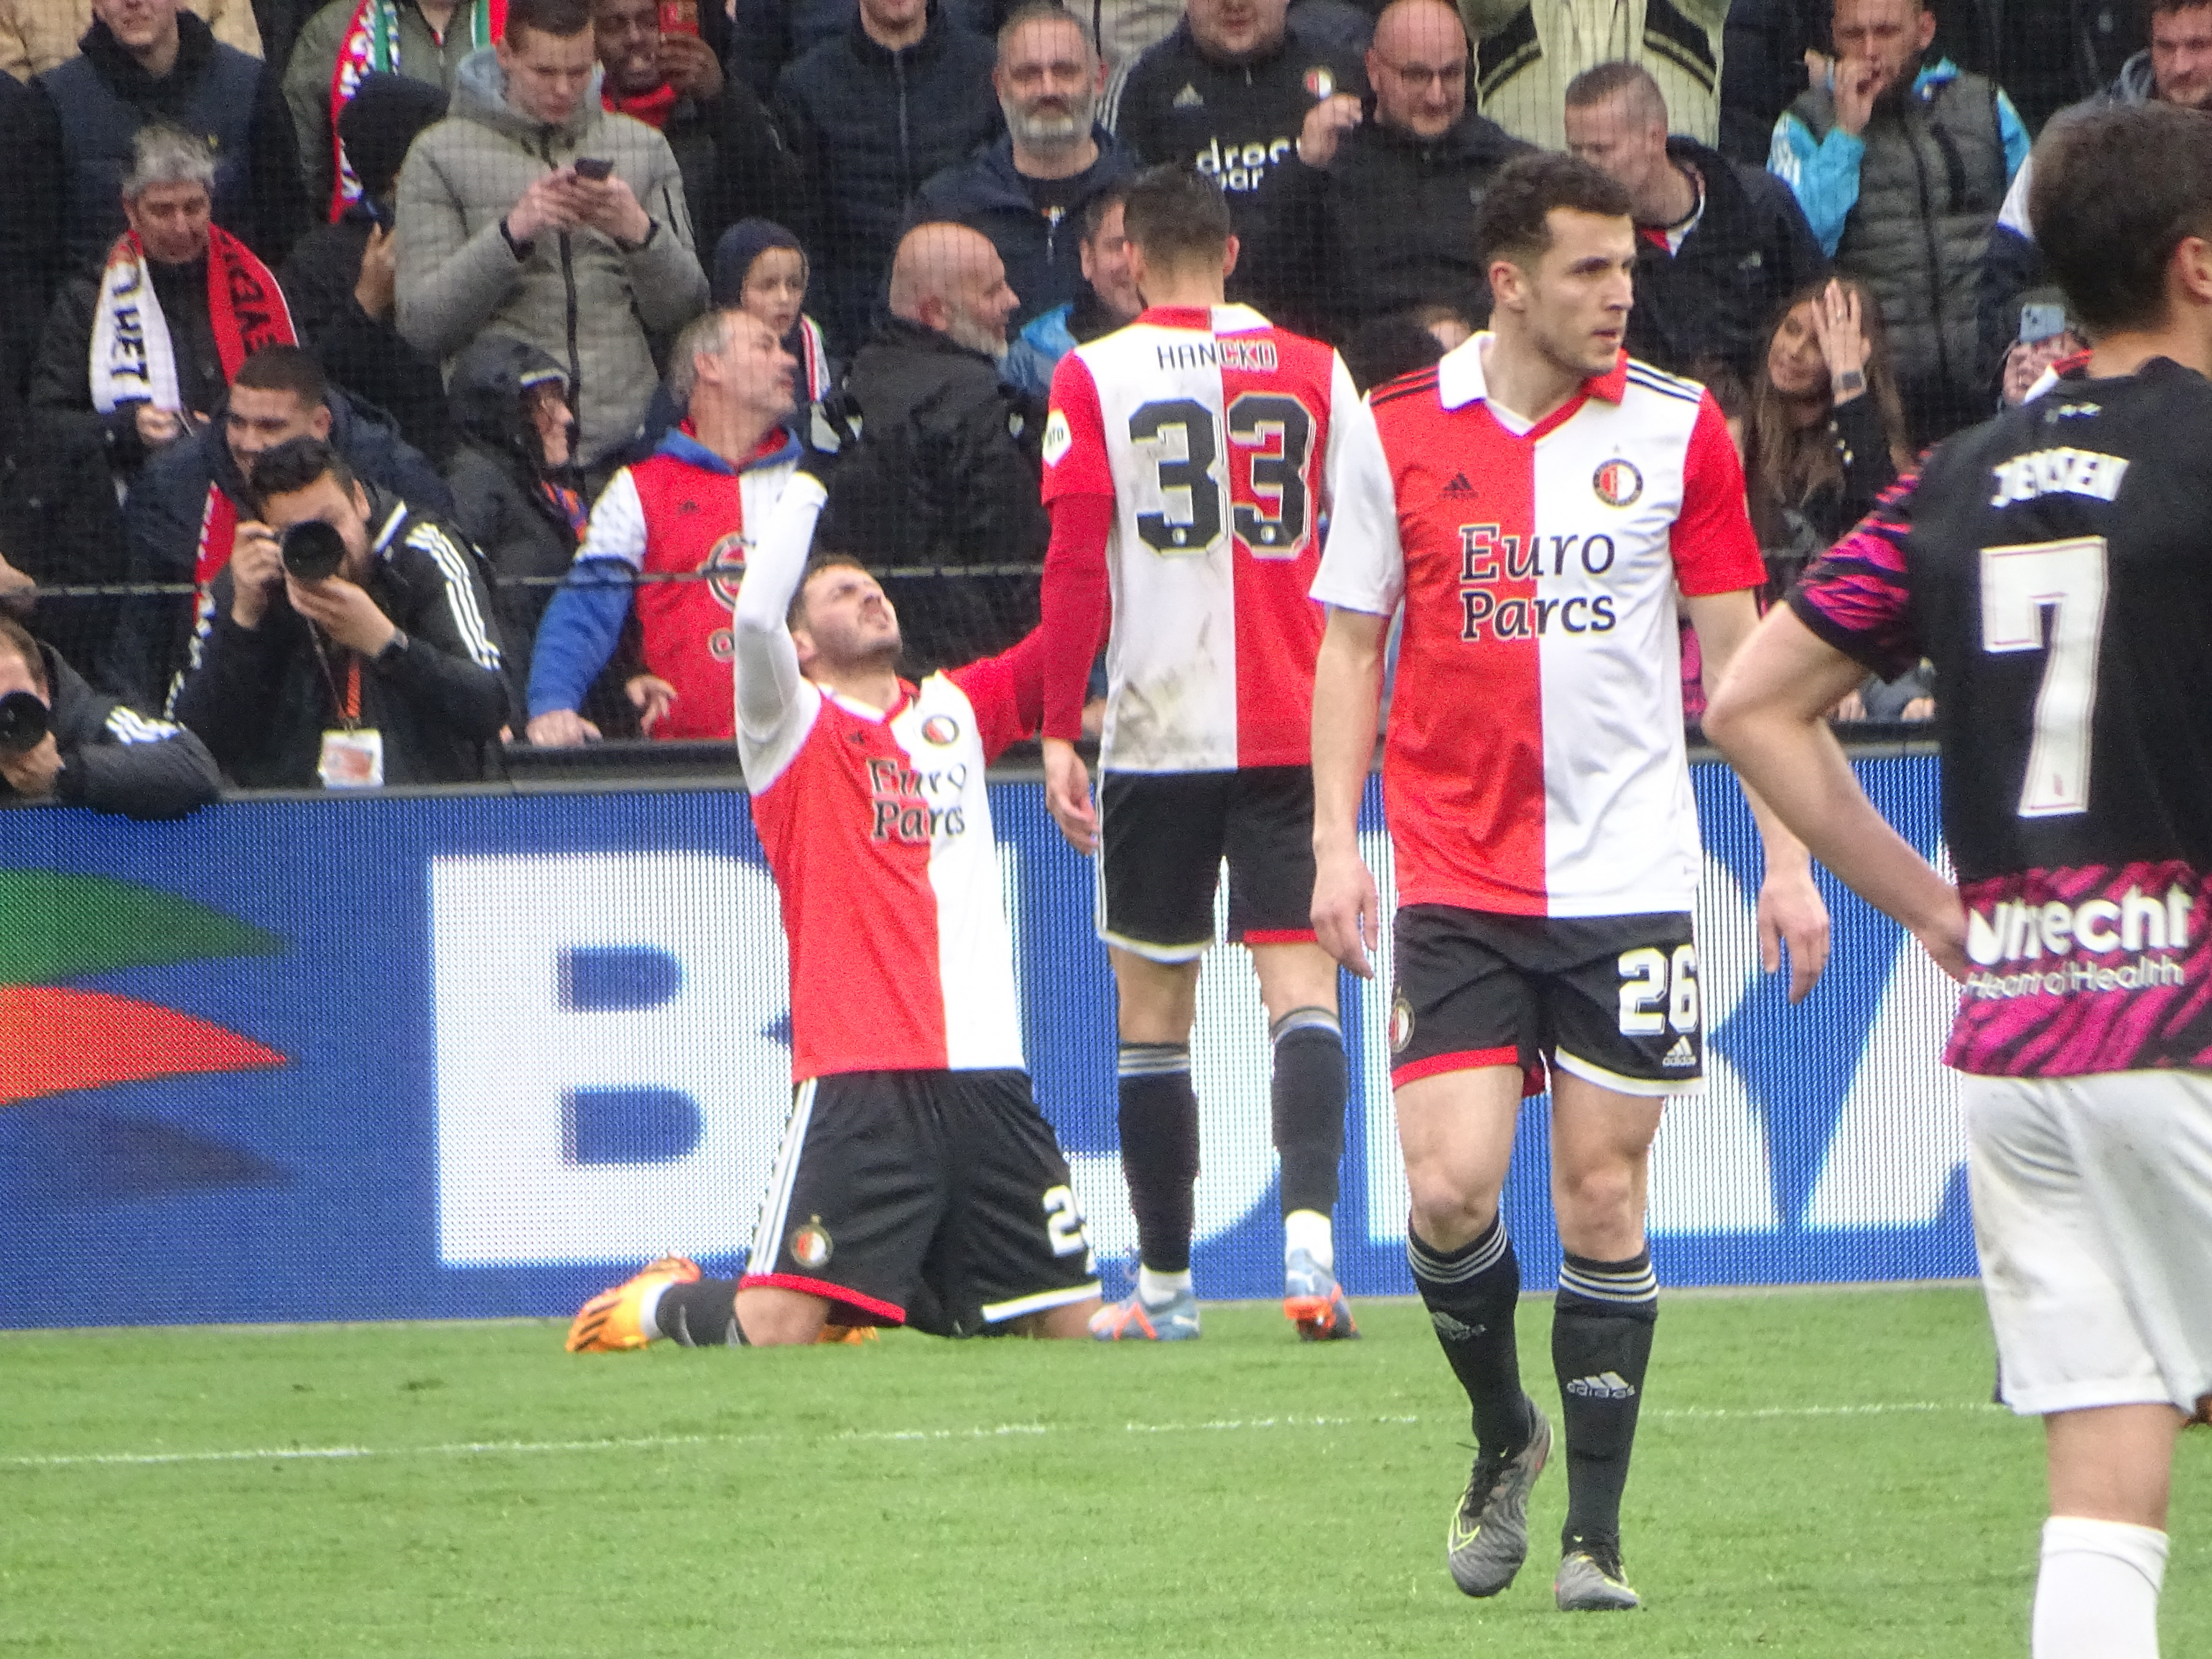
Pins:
x: 998, y: 1432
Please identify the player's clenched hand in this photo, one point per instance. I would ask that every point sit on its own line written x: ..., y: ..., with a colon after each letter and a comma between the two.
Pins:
x: 1345, y: 910
x: 1791, y: 912
x: 1068, y: 794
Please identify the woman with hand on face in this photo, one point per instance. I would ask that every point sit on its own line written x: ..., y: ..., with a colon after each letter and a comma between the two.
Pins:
x: 1826, y: 436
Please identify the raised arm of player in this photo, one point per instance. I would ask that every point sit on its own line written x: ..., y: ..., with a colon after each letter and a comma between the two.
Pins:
x: 769, y: 681
x: 1006, y: 692
x: 1079, y: 491
x: 1768, y: 715
x: 1347, y: 696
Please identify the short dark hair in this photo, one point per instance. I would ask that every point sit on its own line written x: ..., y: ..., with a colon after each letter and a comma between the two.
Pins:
x: 2115, y: 191
x: 1603, y: 81
x: 1177, y: 216
x: 2167, y: 8
x: 286, y: 468
x: 15, y: 637
x: 564, y: 19
x: 1514, y: 221
x: 285, y: 368
x: 1117, y: 195
x: 794, y: 614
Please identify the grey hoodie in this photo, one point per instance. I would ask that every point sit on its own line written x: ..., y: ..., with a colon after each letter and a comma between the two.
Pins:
x: 590, y: 304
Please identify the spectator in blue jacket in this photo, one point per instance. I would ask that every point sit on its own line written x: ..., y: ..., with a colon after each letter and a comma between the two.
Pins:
x: 1107, y: 301
x: 1901, y: 166
x: 1028, y: 190
x: 870, y: 114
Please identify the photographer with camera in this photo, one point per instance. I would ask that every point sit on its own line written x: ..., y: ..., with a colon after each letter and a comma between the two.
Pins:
x: 61, y: 741
x: 349, y: 642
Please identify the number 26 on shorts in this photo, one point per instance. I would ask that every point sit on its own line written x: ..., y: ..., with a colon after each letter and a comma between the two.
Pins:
x: 1657, y: 991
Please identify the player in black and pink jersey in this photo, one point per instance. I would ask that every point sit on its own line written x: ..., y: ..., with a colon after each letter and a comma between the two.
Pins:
x: 918, y: 1184
x: 2052, y: 564
x: 1190, y: 461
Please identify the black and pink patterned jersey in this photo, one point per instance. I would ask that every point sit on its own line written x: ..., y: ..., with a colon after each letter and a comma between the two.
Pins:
x: 2056, y: 566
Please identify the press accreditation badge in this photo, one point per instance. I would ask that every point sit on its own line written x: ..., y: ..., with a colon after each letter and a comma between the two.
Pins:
x: 352, y: 760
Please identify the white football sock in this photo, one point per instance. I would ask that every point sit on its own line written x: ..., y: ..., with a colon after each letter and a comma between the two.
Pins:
x: 1154, y: 1289
x: 2097, y: 1595
x: 1311, y: 1232
x: 648, y: 1305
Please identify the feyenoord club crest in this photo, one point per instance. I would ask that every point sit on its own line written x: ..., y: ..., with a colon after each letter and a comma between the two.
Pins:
x: 1402, y: 1025
x: 809, y: 1245
x: 724, y: 565
x: 1320, y: 82
x: 1618, y: 484
x: 942, y: 730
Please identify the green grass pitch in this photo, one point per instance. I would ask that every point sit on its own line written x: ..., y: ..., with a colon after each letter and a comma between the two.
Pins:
x: 1819, y: 1474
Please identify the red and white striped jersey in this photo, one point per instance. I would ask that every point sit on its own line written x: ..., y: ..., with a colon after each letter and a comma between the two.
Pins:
x: 877, y: 829
x: 1221, y: 442
x: 1535, y: 761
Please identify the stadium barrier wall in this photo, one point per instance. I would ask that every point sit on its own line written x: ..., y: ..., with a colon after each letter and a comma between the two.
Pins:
x: 481, y: 1054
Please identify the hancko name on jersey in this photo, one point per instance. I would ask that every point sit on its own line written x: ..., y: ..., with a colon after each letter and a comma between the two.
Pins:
x: 1487, y: 555
x: 2058, y: 472
x: 899, y: 796
x: 1252, y: 356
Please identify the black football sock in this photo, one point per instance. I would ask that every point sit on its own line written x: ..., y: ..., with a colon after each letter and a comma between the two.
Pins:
x: 1601, y: 1347
x: 1159, y: 1150
x: 1308, y: 1098
x: 1472, y: 1293
x: 700, y: 1314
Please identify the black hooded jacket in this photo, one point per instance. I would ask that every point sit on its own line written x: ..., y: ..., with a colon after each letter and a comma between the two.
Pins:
x: 495, y: 472
x: 1388, y: 225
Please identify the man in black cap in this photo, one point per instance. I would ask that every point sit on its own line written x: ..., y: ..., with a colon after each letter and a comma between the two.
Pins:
x: 339, y: 278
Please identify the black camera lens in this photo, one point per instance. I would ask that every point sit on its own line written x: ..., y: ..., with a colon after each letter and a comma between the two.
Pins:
x: 22, y: 723
x: 313, y: 550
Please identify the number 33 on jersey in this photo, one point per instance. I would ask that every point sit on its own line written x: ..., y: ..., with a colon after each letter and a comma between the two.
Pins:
x: 1224, y: 442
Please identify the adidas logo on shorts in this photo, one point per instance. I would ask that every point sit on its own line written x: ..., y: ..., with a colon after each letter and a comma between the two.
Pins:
x: 1682, y: 1053
x: 1605, y: 1385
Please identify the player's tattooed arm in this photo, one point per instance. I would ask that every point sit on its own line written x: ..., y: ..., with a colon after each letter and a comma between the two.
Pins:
x: 1347, y: 696
x: 1769, y: 717
x: 1790, y: 909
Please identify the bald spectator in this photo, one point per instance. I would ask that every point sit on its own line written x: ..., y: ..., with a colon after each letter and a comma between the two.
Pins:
x: 1531, y: 49
x: 1719, y: 247
x: 946, y: 470
x: 1373, y: 211
x: 1033, y: 187
x: 872, y: 114
x: 1227, y: 93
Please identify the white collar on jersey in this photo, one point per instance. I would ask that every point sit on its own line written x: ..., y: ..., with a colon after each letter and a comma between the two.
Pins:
x: 1222, y: 319
x: 1459, y: 378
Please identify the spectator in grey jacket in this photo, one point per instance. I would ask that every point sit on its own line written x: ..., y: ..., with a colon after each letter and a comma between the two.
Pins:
x: 95, y: 752
x: 506, y: 223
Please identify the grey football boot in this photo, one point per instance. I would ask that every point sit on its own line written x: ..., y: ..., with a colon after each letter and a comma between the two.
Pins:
x: 1489, y: 1536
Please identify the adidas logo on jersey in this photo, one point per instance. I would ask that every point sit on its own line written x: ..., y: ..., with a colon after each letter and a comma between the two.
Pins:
x: 1605, y: 1385
x: 1682, y: 1053
x: 1459, y: 486
x: 1189, y: 98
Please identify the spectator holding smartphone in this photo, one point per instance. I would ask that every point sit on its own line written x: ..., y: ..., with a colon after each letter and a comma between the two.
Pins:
x: 534, y: 212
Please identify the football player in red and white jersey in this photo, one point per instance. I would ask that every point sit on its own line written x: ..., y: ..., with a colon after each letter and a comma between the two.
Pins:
x: 918, y: 1184
x: 1552, y: 497
x: 1190, y: 460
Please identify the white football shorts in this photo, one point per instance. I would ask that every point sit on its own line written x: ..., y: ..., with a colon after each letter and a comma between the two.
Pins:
x: 2093, y: 1215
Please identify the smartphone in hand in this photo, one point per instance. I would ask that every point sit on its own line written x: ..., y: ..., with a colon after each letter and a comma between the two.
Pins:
x: 593, y: 167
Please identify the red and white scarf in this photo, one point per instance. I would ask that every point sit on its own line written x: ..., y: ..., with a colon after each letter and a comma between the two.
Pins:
x: 370, y: 45
x: 654, y: 107
x: 133, y: 358
x: 813, y: 360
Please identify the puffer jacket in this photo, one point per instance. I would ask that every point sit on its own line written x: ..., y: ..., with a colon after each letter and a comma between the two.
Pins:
x: 591, y: 305
x: 498, y: 504
x: 37, y: 35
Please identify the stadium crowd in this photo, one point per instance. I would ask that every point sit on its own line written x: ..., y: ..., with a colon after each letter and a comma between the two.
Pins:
x: 460, y: 242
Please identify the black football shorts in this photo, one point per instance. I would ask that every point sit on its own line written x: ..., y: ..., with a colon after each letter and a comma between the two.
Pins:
x: 1162, y: 836
x: 1612, y: 999
x: 937, y: 1200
